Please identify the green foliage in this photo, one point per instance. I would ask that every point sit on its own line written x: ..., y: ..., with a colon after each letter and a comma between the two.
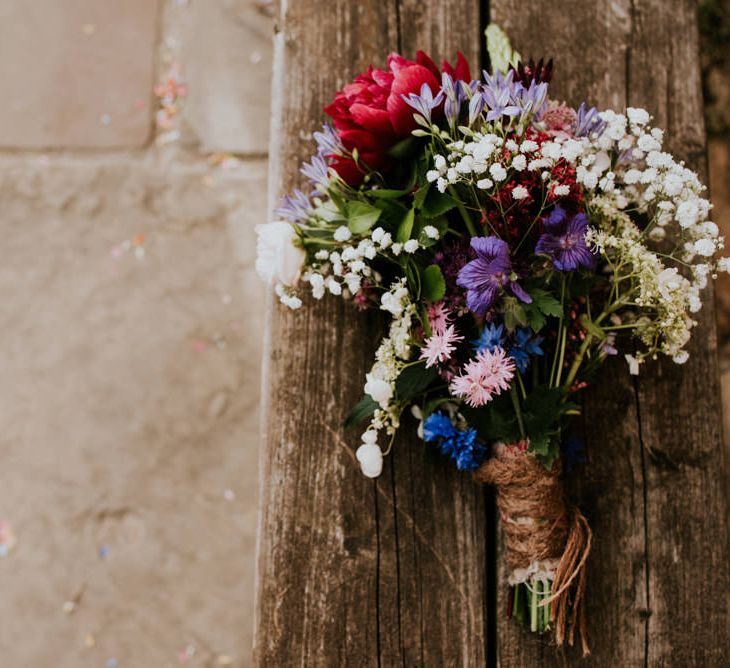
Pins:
x: 414, y: 380
x: 514, y: 314
x: 361, y: 216
x: 433, y: 285
x: 360, y: 412
x: 544, y: 304
x: 436, y: 204
x: 406, y: 226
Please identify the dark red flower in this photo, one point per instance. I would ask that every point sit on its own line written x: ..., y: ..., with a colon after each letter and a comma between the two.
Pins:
x: 371, y: 116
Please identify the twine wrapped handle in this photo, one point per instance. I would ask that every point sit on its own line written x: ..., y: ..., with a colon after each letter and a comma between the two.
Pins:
x: 540, y: 525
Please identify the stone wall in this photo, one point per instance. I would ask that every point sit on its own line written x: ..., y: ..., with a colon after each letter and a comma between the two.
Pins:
x: 133, y: 144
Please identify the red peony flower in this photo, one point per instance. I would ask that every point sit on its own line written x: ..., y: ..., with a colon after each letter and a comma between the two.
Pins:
x: 371, y: 116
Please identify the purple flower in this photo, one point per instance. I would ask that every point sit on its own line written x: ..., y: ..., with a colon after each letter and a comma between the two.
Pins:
x: 484, y: 277
x: 425, y: 102
x: 588, y: 121
x: 564, y: 241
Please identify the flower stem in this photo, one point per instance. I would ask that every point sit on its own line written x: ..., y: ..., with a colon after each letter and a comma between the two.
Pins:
x: 464, y: 213
x: 533, y: 606
x: 518, y: 409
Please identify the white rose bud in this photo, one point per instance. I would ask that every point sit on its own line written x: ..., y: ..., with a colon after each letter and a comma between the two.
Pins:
x: 278, y: 258
x: 371, y: 459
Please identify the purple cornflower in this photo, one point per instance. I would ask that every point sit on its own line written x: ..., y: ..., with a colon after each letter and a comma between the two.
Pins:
x: 564, y: 241
x: 424, y: 103
x: 588, y: 121
x: 484, y: 277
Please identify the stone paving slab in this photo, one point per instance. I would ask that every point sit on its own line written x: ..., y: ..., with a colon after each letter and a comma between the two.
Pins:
x: 131, y: 327
x: 227, y: 51
x: 77, y: 74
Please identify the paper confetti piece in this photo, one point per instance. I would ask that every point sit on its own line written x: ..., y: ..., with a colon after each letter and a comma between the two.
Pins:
x: 186, y: 653
x: 89, y: 641
x: 7, y: 538
x: 224, y: 660
x: 88, y: 29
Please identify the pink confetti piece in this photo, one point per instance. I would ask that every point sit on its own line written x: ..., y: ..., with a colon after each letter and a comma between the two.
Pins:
x: 199, y: 345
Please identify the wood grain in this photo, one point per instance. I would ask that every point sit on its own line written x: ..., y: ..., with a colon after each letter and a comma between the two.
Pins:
x: 653, y: 486
x: 353, y: 572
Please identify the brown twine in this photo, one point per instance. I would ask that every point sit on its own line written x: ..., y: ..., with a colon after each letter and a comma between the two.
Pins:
x: 539, y: 525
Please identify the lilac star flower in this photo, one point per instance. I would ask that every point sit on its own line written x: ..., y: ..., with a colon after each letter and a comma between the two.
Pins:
x: 425, y: 102
x: 588, y: 121
x: 564, y: 241
x: 497, y: 93
x: 484, y: 277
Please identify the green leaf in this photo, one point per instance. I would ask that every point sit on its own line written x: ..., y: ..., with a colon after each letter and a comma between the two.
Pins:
x: 542, y: 411
x: 496, y: 421
x: 501, y: 53
x: 420, y: 195
x: 535, y: 318
x: 406, y: 227
x: 433, y: 285
x: 403, y: 149
x: 413, y: 380
x: 362, y: 410
x: 386, y: 193
x: 361, y: 216
x: 436, y: 204
x: 546, y: 302
x: 514, y: 314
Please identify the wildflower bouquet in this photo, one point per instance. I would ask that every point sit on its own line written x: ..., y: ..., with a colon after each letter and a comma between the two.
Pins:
x: 515, y: 243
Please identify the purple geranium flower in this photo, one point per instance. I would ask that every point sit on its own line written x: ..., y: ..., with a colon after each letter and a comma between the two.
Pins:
x: 564, y: 241
x: 484, y: 277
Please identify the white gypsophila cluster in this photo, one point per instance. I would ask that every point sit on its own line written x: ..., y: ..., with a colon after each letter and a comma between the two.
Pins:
x: 626, y: 164
x: 392, y: 354
x: 343, y: 270
x: 486, y: 160
x: 641, y: 279
x: 287, y: 297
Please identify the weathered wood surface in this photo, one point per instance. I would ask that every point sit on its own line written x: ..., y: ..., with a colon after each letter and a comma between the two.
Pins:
x: 654, y: 483
x: 353, y: 572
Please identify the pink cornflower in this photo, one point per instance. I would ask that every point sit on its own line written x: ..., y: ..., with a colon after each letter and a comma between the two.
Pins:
x: 438, y: 317
x: 485, y: 376
x: 439, y: 347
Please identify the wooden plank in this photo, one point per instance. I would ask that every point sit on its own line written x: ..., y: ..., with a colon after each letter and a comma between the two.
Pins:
x: 352, y: 572
x: 679, y: 408
x: 653, y: 486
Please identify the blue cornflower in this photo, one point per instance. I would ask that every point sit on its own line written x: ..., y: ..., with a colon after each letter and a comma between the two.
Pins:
x: 461, y: 445
x: 524, y: 346
x: 492, y: 337
x: 437, y: 425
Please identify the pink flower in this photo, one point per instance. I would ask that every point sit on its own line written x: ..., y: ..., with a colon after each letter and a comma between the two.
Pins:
x: 438, y: 317
x: 560, y: 121
x: 485, y: 376
x: 440, y: 346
